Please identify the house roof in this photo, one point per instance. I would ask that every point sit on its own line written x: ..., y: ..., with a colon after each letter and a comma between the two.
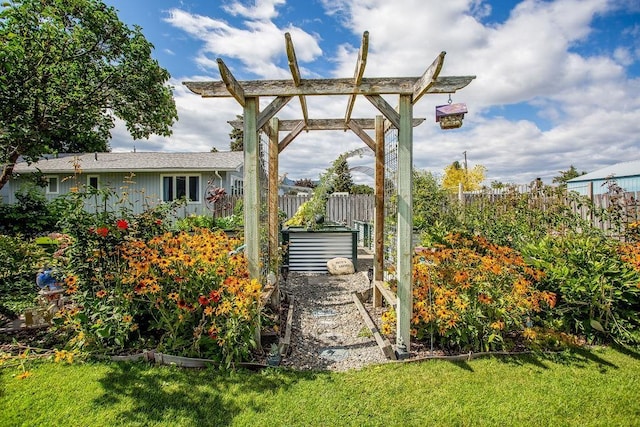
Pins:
x: 619, y: 170
x: 137, y: 162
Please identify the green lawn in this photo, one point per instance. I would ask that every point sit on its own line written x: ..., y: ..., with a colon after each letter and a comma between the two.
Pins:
x: 596, y: 387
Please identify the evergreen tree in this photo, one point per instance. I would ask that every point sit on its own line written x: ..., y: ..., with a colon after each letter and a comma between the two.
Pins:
x: 343, y: 182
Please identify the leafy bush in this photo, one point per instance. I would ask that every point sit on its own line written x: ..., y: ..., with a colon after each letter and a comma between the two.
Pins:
x: 597, y: 281
x: 20, y: 260
x: 472, y: 295
x: 32, y: 215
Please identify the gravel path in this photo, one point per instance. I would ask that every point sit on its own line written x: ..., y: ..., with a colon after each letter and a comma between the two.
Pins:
x: 328, y: 331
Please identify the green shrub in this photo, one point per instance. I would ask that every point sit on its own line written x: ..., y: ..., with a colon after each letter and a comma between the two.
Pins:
x: 31, y: 215
x: 597, y: 285
x: 20, y: 261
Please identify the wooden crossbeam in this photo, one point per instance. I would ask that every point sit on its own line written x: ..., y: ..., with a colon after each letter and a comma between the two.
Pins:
x: 362, y: 134
x: 358, y: 73
x: 291, y: 136
x: 231, y: 84
x: 311, y: 87
x: 295, y: 73
x: 386, y: 109
x: 271, y: 110
x: 428, y: 78
x: 325, y: 124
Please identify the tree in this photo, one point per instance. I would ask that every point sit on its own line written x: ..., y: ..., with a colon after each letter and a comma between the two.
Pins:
x: 305, y: 182
x: 361, y: 189
x: 471, y: 180
x: 343, y: 180
x: 237, y: 138
x: 565, y: 176
x: 68, y: 69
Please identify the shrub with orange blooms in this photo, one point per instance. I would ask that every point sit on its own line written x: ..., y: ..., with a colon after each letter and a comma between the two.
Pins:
x: 472, y: 295
x: 185, y: 293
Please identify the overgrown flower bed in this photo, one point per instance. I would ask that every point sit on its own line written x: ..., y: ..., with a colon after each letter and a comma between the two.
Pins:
x: 183, y: 293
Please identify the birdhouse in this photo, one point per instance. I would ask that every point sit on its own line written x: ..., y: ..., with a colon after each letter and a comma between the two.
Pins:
x: 450, y: 115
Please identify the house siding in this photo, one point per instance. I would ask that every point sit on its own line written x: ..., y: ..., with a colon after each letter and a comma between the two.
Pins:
x: 143, y: 190
x: 629, y: 183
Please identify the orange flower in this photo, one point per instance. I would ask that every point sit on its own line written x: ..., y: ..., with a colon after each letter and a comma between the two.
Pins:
x: 127, y: 318
x: 101, y: 293
x: 25, y: 374
x: 484, y: 299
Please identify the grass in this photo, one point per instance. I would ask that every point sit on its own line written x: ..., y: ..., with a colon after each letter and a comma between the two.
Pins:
x: 596, y: 387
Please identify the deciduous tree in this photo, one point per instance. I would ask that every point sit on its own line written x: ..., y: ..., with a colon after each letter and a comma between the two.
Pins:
x: 68, y: 69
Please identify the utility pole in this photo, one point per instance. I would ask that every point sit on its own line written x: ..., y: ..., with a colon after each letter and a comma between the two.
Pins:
x: 465, y: 160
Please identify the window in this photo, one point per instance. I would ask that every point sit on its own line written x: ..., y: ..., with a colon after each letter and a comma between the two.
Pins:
x: 178, y: 186
x: 52, y: 184
x: 93, y: 182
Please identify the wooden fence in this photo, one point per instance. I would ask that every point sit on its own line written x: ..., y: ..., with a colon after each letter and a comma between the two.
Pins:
x: 340, y: 209
x: 354, y: 209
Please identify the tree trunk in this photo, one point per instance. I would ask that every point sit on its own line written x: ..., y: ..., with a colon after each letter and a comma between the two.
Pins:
x: 7, y: 170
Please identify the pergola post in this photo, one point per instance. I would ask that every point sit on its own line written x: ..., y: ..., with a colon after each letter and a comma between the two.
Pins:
x: 405, y: 225
x: 252, y: 187
x: 274, y: 223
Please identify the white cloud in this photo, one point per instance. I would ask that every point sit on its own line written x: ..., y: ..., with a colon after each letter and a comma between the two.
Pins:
x: 588, y: 116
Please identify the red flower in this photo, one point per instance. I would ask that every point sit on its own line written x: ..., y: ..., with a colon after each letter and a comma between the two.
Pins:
x: 203, y: 300
x: 214, y: 296
x: 158, y: 222
x: 102, y: 231
x: 122, y: 224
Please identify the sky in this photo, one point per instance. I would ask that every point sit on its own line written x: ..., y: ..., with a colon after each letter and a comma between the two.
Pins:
x: 557, y: 81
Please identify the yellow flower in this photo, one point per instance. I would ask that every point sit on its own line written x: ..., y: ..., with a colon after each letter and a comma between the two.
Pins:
x: 25, y: 374
x: 127, y: 318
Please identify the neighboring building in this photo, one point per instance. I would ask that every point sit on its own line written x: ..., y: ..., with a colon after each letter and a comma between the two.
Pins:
x: 626, y: 175
x: 157, y: 177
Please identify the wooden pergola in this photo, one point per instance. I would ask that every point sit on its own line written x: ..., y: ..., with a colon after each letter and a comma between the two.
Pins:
x: 409, y: 91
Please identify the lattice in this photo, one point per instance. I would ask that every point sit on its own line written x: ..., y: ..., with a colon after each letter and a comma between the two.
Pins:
x: 390, y: 195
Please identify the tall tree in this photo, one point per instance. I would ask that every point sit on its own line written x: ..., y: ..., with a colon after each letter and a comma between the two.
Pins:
x: 237, y: 138
x: 68, y: 69
x: 343, y: 180
x: 565, y: 176
x: 454, y: 174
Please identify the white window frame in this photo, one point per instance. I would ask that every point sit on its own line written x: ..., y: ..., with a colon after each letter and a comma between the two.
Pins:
x: 173, y: 176
x: 89, y: 177
x: 48, y: 188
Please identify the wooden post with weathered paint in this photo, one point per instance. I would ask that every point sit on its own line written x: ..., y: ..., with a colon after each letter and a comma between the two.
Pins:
x: 274, y: 223
x: 251, y: 187
x: 405, y: 224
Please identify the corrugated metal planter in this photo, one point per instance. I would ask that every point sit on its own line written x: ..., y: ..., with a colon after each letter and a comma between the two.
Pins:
x: 309, y: 250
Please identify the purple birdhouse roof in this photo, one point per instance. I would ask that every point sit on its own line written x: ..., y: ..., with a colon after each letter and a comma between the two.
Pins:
x: 450, y: 109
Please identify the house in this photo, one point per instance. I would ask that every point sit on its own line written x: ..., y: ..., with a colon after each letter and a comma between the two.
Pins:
x: 148, y: 178
x: 626, y: 175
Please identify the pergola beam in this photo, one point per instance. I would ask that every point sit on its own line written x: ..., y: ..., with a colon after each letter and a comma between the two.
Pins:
x: 291, y: 136
x: 362, y: 135
x: 271, y: 110
x: 428, y: 78
x: 311, y: 87
x: 231, y: 85
x: 386, y: 109
x: 325, y: 124
x: 358, y: 73
x: 295, y: 73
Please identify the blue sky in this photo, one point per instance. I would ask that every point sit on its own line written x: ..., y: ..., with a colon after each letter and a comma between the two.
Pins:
x: 557, y: 81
